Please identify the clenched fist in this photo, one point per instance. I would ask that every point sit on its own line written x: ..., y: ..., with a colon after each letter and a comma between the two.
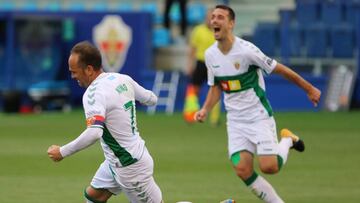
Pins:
x: 54, y: 153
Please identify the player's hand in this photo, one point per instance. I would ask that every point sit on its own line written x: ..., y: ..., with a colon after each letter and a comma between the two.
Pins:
x: 54, y: 153
x: 314, y: 95
x: 200, y: 116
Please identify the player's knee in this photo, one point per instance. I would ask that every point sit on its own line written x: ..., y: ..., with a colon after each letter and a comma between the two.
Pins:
x: 243, y: 172
x: 269, y: 168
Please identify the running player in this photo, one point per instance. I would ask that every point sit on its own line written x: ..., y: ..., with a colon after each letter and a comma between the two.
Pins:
x: 109, y: 104
x: 236, y: 67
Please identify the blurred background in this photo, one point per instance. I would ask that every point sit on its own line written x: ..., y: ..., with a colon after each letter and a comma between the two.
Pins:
x: 317, y: 38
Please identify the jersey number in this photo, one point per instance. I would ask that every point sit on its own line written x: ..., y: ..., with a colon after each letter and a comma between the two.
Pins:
x: 129, y: 106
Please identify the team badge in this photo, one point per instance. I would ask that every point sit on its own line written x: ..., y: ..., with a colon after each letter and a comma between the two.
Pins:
x: 237, y: 65
x: 113, y: 38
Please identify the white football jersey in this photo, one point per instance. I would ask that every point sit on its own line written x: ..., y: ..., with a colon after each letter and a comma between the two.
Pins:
x: 109, y: 103
x: 239, y: 73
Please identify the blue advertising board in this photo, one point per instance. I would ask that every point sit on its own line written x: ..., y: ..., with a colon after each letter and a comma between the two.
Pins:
x: 34, y: 46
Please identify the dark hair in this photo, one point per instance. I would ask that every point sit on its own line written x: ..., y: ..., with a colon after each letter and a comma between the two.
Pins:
x: 88, y: 55
x: 230, y: 10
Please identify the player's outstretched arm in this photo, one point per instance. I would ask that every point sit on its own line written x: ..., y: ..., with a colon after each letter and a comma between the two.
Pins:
x: 212, y: 98
x: 312, y: 92
x: 87, y: 138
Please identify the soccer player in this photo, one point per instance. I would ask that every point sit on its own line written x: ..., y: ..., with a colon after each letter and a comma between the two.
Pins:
x: 201, y: 38
x: 109, y: 104
x: 236, y: 68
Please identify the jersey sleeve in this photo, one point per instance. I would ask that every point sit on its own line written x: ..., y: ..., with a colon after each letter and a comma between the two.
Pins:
x: 261, y: 60
x: 210, y: 74
x: 143, y: 95
x: 85, y: 139
x: 94, y: 103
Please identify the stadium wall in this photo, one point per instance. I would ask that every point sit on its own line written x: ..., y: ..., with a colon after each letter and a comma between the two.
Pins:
x: 139, y: 61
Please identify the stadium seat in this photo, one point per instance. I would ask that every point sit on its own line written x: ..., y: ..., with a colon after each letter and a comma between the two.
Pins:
x: 153, y: 9
x: 29, y: 6
x: 161, y: 37
x: 342, y: 40
x: 286, y: 20
x: 266, y: 37
x: 124, y: 7
x: 307, y: 11
x: 196, y: 13
x: 99, y: 6
x: 76, y: 6
x: 331, y: 12
x: 296, y: 40
x: 7, y: 6
x: 175, y: 15
x: 316, y: 40
x: 352, y: 12
x: 52, y: 6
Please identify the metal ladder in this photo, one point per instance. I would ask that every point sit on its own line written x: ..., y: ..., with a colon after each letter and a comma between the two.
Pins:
x: 338, y: 96
x: 169, y: 89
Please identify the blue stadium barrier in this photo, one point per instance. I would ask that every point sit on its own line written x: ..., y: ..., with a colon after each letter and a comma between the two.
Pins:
x: 307, y: 11
x: 35, y: 49
x: 316, y: 40
x: 284, y: 96
x: 266, y: 37
x: 331, y: 12
x: 342, y: 40
x: 2, y: 51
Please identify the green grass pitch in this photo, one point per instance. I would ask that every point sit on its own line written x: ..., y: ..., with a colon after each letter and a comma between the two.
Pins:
x: 190, y: 160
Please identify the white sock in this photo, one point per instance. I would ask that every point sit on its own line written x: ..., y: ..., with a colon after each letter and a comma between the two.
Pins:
x: 263, y: 190
x: 284, y: 146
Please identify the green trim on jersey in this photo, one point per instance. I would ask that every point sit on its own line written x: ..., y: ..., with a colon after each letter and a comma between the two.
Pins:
x: 264, y: 101
x: 245, y: 81
x: 124, y: 156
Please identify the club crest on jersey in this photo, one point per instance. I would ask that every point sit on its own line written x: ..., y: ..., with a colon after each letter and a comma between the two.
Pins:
x: 113, y: 38
x: 237, y: 65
